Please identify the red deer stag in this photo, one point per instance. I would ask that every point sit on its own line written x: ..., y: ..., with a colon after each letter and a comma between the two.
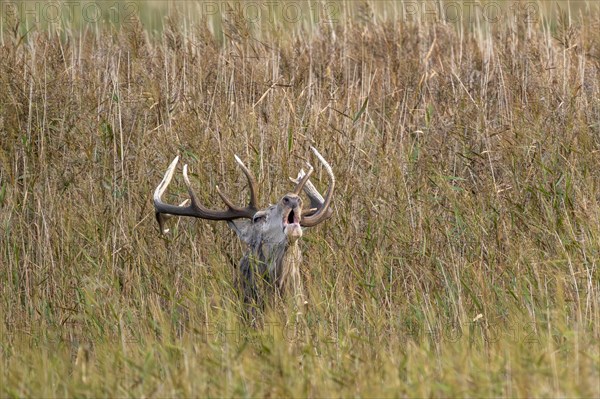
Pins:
x: 272, y: 234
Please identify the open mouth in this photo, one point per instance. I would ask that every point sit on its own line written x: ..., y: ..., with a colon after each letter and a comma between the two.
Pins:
x: 291, y: 224
x: 293, y: 217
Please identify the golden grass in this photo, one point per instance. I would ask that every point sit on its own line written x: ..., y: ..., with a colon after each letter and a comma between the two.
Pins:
x: 462, y: 259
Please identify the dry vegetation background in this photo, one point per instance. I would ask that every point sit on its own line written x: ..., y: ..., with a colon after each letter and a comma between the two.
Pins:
x: 462, y: 258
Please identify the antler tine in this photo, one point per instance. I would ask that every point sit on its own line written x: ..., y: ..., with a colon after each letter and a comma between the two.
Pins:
x: 251, y: 182
x: 160, y: 189
x: 304, y: 179
x: 316, y: 199
x: 324, y: 212
x: 188, y: 184
x: 195, y: 208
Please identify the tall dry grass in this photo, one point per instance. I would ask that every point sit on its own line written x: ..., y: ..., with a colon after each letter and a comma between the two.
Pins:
x: 462, y: 259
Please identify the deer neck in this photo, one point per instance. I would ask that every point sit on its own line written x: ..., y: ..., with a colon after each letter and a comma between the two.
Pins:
x: 288, y: 277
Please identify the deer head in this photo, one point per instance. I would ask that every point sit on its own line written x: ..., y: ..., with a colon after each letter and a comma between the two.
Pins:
x: 272, y: 234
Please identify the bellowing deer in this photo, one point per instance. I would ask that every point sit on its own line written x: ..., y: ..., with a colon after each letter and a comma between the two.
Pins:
x: 273, y: 256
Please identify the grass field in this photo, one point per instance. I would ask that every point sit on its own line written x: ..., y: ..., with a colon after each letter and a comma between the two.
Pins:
x: 463, y: 255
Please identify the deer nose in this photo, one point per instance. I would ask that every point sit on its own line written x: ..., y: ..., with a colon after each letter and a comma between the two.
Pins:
x: 292, y: 202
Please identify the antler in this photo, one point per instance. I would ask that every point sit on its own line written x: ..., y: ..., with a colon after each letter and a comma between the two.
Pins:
x: 323, y: 211
x: 196, y: 209
x: 303, y: 179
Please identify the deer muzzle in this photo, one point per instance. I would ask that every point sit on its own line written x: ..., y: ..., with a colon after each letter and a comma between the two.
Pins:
x: 291, y: 223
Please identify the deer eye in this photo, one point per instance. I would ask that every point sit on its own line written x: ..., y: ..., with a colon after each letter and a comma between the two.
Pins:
x: 258, y: 218
x: 286, y: 200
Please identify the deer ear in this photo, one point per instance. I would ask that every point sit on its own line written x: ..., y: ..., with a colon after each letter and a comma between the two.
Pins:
x: 243, y: 229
